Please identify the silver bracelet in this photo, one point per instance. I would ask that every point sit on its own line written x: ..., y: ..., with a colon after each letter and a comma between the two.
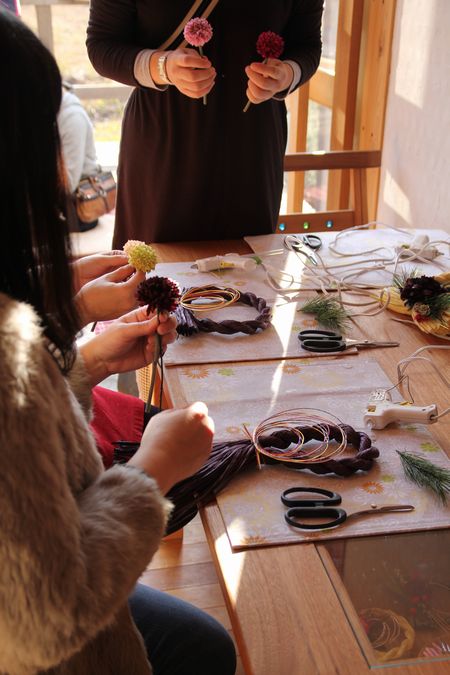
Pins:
x: 162, y: 71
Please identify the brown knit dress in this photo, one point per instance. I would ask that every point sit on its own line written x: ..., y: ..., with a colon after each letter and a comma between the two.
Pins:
x: 188, y: 171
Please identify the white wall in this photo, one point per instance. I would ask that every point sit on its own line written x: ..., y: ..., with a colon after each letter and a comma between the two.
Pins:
x: 415, y: 177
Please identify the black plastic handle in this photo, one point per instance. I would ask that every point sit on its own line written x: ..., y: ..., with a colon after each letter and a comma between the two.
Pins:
x: 337, y: 516
x: 313, y: 241
x: 331, y: 498
x: 326, y: 345
x: 319, y: 334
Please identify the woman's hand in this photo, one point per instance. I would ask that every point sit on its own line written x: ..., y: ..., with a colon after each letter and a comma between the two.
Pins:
x: 90, y: 267
x: 267, y: 79
x: 192, y: 74
x: 175, y: 444
x: 127, y: 344
x: 110, y: 295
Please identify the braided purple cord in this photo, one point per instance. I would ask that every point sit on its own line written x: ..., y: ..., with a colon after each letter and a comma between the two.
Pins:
x: 362, y: 461
x: 228, y: 459
x: 188, y: 323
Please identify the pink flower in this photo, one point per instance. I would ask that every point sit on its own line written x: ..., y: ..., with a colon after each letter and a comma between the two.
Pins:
x: 269, y: 45
x: 197, y: 32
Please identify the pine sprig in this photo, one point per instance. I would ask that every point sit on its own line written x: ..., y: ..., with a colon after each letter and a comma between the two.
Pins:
x: 399, y: 280
x: 328, y: 313
x: 426, y: 474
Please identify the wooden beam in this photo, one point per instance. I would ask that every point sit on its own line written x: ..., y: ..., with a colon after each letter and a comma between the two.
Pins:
x: 334, y: 159
x: 321, y: 88
x: 298, y: 123
x: 92, y: 91
x: 44, y: 26
x: 348, y: 46
x: 374, y: 80
x: 316, y: 222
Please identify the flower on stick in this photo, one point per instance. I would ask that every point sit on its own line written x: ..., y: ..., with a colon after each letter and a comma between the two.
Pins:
x: 269, y: 45
x: 140, y: 255
x: 160, y: 294
x: 197, y: 32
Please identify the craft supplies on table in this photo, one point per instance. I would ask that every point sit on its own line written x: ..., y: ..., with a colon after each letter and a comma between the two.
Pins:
x: 240, y: 394
x: 278, y: 340
x: 320, y: 341
x: 321, y: 510
x: 365, y: 256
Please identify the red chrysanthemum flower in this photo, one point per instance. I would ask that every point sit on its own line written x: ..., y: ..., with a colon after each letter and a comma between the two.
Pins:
x: 161, y: 294
x: 269, y: 45
x: 197, y: 32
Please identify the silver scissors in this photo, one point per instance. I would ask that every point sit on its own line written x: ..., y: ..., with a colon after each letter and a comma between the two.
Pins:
x: 323, y: 505
x: 330, y: 341
x: 305, y: 244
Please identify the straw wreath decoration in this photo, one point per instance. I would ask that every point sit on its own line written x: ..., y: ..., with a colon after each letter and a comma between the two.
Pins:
x: 207, y: 298
x: 390, y: 634
x: 298, y: 426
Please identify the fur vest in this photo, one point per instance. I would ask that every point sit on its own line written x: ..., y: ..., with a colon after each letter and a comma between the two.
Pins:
x: 74, y: 538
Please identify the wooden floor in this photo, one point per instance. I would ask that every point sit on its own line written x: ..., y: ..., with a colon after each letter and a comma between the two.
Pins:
x: 184, y: 568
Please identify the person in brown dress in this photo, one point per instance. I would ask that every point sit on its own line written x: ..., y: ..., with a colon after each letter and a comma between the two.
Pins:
x: 189, y: 171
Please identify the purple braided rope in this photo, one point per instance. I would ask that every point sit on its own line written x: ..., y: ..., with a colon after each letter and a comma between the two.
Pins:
x: 228, y: 459
x: 188, y: 323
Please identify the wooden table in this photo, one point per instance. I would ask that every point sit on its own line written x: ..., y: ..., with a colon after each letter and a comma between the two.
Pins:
x: 289, y: 609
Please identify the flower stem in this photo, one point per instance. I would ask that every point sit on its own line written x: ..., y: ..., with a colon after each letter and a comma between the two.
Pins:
x: 157, y: 356
x: 200, y: 49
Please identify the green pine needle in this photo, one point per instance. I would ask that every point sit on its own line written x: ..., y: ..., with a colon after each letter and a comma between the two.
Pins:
x: 399, y: 280
x: 426, y: 474
x: 328, y: 313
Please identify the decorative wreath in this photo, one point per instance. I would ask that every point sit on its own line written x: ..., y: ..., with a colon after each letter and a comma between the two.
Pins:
x: 425, y: 299
x: 189, y: 324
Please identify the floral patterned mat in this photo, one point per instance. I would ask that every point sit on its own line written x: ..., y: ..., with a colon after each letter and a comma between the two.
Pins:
x: 247, y: 393
x: 280, y: 340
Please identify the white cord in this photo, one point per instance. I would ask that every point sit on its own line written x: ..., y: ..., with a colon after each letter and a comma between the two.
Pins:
x: 404, y: 363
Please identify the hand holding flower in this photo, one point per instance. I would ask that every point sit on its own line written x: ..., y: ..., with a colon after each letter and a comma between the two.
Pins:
x: 272, y: 75
x: 197, y: 32
x: 127, y: 344
x: 91, y: 267
x: 192, y: 74
x: 265, y: 80
x: 160, y: 294
x: 109, y: 296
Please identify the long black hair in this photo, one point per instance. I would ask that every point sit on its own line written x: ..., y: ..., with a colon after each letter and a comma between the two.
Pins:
x: 35, y: 244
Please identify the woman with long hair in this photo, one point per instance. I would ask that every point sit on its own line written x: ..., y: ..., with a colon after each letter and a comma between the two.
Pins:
x: 74, y: 539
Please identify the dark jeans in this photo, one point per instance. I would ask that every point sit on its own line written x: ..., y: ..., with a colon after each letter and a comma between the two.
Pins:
x: 181, y: 639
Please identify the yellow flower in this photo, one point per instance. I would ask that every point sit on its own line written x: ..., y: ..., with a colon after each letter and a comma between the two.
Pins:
x: 142, y: 256
x: 290, y: 369
x: 196, y: 373
x: 373, y: 487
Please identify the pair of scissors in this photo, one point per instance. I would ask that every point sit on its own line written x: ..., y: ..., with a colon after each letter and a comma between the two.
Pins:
x: 330, y: 341
x: 325, y: 506
x: 305, y: 244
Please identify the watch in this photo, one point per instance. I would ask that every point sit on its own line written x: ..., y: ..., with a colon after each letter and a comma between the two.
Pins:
x: 162, y: 72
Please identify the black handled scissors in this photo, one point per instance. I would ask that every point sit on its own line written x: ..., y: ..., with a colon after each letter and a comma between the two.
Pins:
x: 330, y: 341
x: 305, y: 244
x: 326, y: 506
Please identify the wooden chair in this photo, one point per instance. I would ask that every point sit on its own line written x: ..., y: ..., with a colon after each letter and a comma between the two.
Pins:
x: 357, y: 162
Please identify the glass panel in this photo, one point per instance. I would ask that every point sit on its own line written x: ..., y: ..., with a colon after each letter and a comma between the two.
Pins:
x: 329, y: 31
x: 396, y: 593
x: 316, y: 182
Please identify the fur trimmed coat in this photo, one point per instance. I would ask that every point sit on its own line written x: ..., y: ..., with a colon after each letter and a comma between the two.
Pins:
x: 74, y: 538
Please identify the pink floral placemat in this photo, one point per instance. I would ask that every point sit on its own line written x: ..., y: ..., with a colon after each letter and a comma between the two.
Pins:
x: 246, y: 393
